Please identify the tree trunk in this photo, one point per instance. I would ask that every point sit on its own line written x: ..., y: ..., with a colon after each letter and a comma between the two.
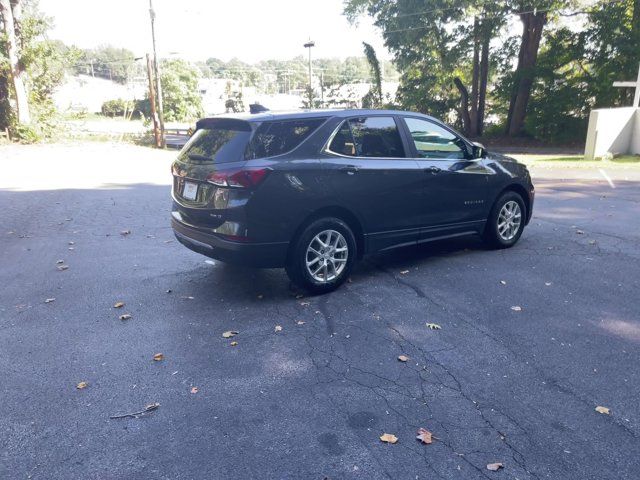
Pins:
x: 9, y: 8
x: 473, y: 115
x: 532, y: 23
x: 464, y: 106
x: 484, y: 78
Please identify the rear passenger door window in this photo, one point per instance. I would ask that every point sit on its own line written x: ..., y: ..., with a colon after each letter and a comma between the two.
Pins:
x: 372, y: 137
x: 433, y: 141
x: 273, y: 138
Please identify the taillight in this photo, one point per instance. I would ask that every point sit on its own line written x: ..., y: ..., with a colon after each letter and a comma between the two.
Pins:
x: 245, y: 178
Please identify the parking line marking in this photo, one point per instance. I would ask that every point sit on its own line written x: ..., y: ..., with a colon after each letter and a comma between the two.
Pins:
x: 607, y: 177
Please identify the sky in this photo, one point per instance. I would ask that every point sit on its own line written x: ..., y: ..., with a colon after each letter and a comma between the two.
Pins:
x: 250, y: 30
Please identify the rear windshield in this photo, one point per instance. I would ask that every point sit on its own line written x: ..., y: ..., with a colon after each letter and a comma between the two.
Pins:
x: 219, y: 145
x: 275, y: 138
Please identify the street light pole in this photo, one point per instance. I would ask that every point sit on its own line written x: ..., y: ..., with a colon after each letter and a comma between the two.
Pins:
x: 152, y: 13
x: 308, y: 45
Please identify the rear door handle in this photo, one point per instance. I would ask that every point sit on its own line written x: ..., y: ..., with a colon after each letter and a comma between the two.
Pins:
x: 433, y: 170
x: 349, y: 169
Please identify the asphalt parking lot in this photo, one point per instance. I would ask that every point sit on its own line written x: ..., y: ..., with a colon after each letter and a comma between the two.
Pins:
x: 309, y: 400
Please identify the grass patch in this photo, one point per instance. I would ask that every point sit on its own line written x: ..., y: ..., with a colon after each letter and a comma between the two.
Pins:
x: 576, y: 161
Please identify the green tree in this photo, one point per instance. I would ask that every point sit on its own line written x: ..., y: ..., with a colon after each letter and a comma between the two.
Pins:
x: 112, y: 63
x: 373, y: 99
x: 41, y: 67
x: 182, y: 101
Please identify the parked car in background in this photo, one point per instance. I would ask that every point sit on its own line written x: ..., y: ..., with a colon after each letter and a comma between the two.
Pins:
x: 314, y: 191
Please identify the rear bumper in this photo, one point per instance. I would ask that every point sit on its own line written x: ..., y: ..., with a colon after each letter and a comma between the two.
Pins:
x: 262, y: 255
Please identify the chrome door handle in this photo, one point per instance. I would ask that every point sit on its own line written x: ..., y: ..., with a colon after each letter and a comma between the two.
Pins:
x: 349, y: 169
x: 433, y: 170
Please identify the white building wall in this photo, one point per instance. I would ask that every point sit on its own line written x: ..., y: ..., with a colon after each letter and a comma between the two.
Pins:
x: 614, y: 130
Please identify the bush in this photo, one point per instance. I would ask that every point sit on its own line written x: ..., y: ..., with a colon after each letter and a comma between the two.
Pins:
x: 117, y: 107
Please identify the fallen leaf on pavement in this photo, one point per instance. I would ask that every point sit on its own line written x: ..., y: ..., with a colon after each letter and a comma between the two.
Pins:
x: 234, y: 344
x: 60, y: 262
x: 188, y: 297
x: 579, y: 232
x: 424, y: 436
x: 300, y: 322
x: 63, y: 267
x: 260, y: 297
x: 403, y: 358
x: 125, y: 232
x: 516, y: 308
x: 388, y: 438
x: 548, y: 284
x: 230, y: 333
x: 49, y: 300
x: 494, y: 467
x: 72, y: 243
x: 194, y: 389
x: 82, y: 385
x: 305, y: 304
x: 299, y: 296
x: 603, y: 410
x: 118, y: 305
x: 278, y: 328
x: 592, y: 242
x: 503, y: 282
x: 125, y: 316
x: 434, y: 326
x: 158, y: 357
x: 404, y: 272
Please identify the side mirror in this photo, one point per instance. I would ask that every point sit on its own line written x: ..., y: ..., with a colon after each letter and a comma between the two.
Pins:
x: 478, y: 150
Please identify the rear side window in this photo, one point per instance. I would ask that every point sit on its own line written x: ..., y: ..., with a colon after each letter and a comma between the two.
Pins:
x: 368, y: 137
x: 275, y: 138
x: 217, y: 145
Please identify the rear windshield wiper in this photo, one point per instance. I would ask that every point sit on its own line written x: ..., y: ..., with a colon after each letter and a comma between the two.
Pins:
x: 201, y: 158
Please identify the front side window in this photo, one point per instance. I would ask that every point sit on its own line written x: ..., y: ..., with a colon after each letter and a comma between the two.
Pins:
x: 433, y: 141
x: 273, y: 138
x: 368, y: 137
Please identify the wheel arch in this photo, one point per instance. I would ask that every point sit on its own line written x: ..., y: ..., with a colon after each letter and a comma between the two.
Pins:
x: 520, y: 190
x: 337, y: 212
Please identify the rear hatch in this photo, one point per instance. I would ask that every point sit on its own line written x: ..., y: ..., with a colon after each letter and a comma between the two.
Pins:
x: 217, y: 144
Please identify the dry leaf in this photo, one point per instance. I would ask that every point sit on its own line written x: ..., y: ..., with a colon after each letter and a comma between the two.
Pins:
x: 234, y: 344
x: 82, y: 385
x: 388, y: 438
x: 188, y: 297
x: 516, y: 308
x: 151, y: 406
x: 424, y: 436
x: 118, y: 305
x: 59, y: 262
x: 403, y: 358
x: 603, y: 410
x: 125, y: 316
x: 158, y: 357
x: 494, y: 467
x: 299, y: 296
x: 230, y: 333
x: 404, y: 272
x: 125, y: 232
x: 49, y: 300
x: 434, y: 326
x: 592, y: 242
x: 63, y: 267
x: 579, y: 232
x: 194, y: 389
x: 305, y: 304
x: 503, y: 282
x: 72, y: 243
x: 278, y: 328
x: 548, y: 284
x: 300, y: 322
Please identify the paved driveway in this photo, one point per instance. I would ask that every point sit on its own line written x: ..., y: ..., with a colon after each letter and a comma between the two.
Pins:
x: 311, y: 400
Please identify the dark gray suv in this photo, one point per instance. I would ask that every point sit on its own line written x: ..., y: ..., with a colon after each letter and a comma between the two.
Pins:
x: 314, y: 191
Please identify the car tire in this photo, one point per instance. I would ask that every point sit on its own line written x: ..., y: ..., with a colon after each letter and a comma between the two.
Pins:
x: 506, y: 221
x: 329, y: 247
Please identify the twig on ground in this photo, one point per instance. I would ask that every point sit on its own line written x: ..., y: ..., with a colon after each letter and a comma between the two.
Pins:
x: 149, y: 408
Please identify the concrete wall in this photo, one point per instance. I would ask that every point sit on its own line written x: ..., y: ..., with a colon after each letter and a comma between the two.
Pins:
x: 615, y: 130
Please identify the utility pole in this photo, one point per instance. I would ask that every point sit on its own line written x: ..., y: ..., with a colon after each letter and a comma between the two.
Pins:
x: 152, y: 13
x: 152, y: 99
x: 308, y: 45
